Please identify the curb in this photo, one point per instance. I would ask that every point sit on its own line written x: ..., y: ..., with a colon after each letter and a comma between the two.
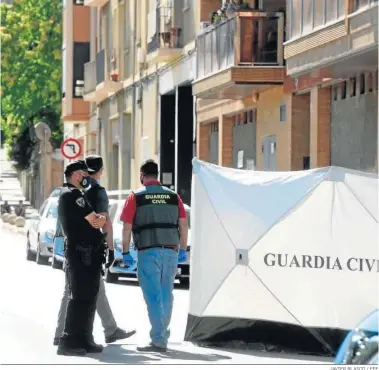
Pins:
x: 13, y: 228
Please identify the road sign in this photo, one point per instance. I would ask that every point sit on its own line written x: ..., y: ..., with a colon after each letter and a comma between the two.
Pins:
x: 71, y: 148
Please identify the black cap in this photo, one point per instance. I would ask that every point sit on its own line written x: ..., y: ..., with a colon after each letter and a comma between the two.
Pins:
x: 95, y: 162
x: 75, y: 166
x: 149, y: 167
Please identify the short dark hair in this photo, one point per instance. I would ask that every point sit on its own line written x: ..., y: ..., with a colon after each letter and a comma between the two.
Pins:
x: 149, y: 168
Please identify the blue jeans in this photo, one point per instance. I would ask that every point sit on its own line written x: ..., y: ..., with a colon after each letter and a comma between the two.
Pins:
x: 157, y: 269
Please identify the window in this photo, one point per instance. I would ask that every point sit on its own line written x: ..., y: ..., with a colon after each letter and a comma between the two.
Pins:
x: 318, y: 13
x: 331, y: 10
x: 306, y: 163
x: 52, y: 212
x: 296, y: 18
x: 307, y: 15
x: 353, y: 87
x: 362, y: 83
x: 335, y: 93
x: 81, y: 56
x: 343, y: 90
x: 283, y: 113
x: 341, y: 8
x: 369, y: 82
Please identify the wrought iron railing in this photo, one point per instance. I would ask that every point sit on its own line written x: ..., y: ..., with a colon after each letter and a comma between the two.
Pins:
x: 166, y: 35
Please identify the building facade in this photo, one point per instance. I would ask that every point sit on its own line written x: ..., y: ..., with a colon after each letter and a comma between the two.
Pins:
x: 332, y: 66
x: 282, y: 85
x: 138, y: 86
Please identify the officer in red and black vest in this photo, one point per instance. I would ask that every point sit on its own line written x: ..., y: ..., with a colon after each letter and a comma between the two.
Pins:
x: 156, y: 217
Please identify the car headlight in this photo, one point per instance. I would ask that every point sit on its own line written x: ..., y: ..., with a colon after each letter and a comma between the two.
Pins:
x: 50, y: 234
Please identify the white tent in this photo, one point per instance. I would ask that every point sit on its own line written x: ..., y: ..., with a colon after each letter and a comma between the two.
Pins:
x: 283, y: 259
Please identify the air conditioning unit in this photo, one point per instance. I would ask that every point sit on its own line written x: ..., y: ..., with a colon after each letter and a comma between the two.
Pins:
x: 79, y: 2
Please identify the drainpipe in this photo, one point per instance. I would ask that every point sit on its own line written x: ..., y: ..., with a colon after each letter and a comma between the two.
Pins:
x: 176, y: 136
x: 98, y: 139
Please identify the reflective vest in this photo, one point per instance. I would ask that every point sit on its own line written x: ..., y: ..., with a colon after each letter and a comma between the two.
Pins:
x: 156, y: 219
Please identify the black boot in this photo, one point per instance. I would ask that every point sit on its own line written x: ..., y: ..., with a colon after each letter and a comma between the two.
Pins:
x: 92, y: 347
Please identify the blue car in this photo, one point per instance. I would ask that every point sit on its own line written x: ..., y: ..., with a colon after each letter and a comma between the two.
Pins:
x: 58, y: 249
x: 360, y: 346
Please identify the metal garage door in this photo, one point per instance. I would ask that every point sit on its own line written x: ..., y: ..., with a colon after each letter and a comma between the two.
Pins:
x: 213, y: 143
x: 244, y: 140
x: 269, y: 153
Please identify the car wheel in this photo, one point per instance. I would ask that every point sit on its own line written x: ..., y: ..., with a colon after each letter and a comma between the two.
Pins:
x: 109, y: 277
x: 184, y: 281
x: 55, y: 264
x: 41, y: 260
x: 30, y: 256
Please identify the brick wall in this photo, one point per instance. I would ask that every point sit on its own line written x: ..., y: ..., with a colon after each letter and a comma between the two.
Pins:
x: 320, y: 127
x: 57, y: 173
x: 207, y: 7
x: 226, y: 142
x: 299, y: 112
x: 203, y: 141
x: 268, y: 123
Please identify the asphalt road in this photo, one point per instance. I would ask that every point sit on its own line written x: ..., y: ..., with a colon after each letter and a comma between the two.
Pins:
x: 30, y: 296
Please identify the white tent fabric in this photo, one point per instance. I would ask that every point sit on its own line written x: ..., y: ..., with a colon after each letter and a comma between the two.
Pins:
x: 321, y: 225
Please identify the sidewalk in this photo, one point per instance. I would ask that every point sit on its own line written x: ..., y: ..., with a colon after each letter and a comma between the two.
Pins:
x: 10, y: 190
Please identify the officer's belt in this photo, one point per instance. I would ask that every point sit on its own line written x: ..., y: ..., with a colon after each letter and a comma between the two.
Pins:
x: 175, y: 248
x: 155, y: 225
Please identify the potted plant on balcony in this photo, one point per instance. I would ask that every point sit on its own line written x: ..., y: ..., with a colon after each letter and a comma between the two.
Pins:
x: 114, y: 76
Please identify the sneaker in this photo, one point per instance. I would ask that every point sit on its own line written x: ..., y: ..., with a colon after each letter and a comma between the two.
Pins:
x: 67, y: 351
x: 92, y: 347
x: 119, y: 334
x: 151, y: 348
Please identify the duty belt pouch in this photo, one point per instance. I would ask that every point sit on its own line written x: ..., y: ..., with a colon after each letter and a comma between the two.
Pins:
x: 85, y: 252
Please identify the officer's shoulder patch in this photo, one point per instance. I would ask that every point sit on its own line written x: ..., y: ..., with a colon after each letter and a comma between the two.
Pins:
x: 81, y: 202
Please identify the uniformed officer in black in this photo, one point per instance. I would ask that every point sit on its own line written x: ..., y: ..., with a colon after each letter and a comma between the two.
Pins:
x: 84, y: 252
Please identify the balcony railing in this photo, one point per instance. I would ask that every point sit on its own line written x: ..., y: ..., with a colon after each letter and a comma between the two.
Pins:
x: 89, y: 77
x: 247, y: 39
x: 165, y: 35
x: 100, y: 67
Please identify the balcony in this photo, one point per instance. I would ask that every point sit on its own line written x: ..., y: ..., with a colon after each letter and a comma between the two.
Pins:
x: 241, y: 56
x: 95, y: 3
x: 100, y: 78
x: 335, y: 50
x: 166, y: 41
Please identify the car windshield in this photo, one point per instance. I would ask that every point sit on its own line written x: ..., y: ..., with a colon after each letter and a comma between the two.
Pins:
x: 52, y: 212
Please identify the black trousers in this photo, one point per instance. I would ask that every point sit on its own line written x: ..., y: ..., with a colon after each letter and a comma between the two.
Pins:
x: 83, y: 271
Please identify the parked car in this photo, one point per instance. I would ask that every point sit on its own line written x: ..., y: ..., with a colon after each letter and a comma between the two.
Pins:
x: 117, y: 269
x: 58, y: 257
x: 41, y: 231
x: 58, y: 248
x: 360, y: 346
x: 56, y: 192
